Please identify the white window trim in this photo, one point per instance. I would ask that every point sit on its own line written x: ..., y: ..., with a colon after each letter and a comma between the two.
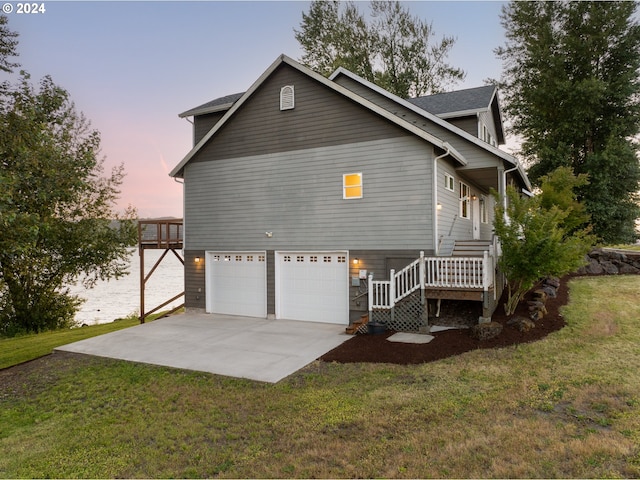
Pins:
x: 344, y: 186
x: 449, y: 183
x: 465, y: 200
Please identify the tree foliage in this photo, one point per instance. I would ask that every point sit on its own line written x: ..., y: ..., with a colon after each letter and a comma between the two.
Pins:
x: 540, y: 236
x: 8, y: 46
x: 570, y: 82
x: 394, y: 50
x: 56, y: 208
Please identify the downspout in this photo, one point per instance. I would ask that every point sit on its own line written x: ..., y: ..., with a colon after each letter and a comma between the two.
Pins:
x: 436, y: 245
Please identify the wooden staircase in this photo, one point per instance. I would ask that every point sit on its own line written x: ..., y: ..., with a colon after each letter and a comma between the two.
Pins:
x: 470, y: 248
x: 355, y: 326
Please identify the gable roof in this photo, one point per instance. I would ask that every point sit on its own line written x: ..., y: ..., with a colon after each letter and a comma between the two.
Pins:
x: 463, y: 103
x: 283, y: 59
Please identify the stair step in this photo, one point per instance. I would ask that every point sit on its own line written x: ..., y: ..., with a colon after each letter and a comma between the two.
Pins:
x: 353, y: 328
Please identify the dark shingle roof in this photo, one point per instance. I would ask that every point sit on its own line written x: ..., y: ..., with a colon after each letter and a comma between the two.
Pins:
x: 213, y: 105
x: 459, y: 101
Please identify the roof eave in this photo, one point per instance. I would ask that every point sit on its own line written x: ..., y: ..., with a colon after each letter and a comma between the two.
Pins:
x: 203, y: 111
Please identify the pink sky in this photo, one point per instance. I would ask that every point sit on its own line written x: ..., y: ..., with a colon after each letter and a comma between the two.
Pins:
x: 132, y: 67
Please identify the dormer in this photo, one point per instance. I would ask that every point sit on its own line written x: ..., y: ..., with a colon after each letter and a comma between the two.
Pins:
x: 474, y: 110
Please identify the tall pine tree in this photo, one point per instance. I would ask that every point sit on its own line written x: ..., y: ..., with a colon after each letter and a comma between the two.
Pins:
x: 572, y: 93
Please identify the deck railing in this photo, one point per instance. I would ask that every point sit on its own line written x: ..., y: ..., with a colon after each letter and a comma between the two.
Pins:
x: 160, y: 233
x: 473, y: 273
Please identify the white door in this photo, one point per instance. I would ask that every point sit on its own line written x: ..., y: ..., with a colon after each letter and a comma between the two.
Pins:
x: 313, y: 286
x: 475, y: 217
x: 236, y: 283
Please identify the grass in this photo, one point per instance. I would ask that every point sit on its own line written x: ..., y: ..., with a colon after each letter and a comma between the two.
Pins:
x: 566, y: 406
x: 29, y: 347
x: 632, y: 247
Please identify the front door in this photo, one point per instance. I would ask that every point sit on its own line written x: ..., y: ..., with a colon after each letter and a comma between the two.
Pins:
x: 475, y: 217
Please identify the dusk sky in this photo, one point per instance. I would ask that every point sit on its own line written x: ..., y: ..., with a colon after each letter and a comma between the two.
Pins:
x: 132, y: 67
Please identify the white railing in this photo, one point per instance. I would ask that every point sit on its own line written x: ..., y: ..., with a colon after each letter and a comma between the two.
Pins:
x: 432, y: 272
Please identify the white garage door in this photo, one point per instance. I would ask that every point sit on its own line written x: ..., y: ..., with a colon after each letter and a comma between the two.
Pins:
x: 312, y: 286
x: 236, y: 283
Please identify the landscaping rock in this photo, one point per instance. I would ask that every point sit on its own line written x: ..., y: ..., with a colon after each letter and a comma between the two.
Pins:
x: 486, y: 331
x: 609, y: 262
x: 522, y: 324
x: 627, y: 269
x: 540, y: 295
x: 553, y: 281
x: 549, y: 290
x: 537, y: 315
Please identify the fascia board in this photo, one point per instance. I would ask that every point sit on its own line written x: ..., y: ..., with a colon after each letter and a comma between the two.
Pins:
x: 203, y: 111
x: 462, y: 113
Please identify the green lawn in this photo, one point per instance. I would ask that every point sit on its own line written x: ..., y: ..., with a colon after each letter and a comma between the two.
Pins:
x: 28, y: 347
x: 566, y: 406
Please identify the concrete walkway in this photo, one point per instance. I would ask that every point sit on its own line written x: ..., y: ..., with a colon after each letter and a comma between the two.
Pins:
x: 253, y: 348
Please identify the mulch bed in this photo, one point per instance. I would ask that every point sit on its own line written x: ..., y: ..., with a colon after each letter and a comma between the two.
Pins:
x: 376, y: 349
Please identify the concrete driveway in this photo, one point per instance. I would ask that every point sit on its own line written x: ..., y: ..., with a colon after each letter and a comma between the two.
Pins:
x: 253, y: 348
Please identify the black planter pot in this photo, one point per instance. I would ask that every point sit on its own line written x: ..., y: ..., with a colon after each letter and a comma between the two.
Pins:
x: 376, y: 328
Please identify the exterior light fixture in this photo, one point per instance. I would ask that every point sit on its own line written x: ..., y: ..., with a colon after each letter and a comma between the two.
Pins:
x: 474, y: 197
x: 197, y: 260
x: 439, y: 206
x: 356, y: 261
x: 269, y: 234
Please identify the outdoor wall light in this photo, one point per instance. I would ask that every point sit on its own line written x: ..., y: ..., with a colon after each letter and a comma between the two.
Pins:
x: 269, y: 234
x: 439, y: 206
x: 197, y: 260
x: 474, y: 197
x: 356, y: 261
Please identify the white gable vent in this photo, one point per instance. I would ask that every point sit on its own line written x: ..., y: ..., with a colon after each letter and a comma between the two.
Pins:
x: 287, y: 98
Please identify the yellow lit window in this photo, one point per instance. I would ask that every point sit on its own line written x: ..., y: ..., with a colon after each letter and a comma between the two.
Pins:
x: 352, y: 185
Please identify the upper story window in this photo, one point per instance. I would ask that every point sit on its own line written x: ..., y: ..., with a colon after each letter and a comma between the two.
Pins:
x: 287, y: 98
x: 352, y: 185
x: 465, y: 194
x: 487, y: 137
x: 449, y: 183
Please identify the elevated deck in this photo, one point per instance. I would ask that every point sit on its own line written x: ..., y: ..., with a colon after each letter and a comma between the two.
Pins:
x: 161, y: 234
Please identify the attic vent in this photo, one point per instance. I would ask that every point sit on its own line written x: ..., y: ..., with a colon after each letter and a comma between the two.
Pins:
x: 287, y: 98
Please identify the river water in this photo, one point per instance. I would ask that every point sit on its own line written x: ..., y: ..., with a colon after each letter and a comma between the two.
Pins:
x: 113, y: 299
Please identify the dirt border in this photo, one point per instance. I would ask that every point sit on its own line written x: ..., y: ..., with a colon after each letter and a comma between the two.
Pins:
x: 376, y: 349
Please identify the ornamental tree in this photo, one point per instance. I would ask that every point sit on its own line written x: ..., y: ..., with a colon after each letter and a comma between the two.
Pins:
x: 539, y: 237
x: 56, y: 208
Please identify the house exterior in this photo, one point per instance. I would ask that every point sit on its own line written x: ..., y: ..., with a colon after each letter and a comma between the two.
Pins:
x: 302, y: 194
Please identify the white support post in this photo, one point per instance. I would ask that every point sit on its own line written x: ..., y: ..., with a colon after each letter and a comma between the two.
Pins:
x: 370, y: 295
x: 392, y: 288
x: 485, y: 271
x: 423, y: 274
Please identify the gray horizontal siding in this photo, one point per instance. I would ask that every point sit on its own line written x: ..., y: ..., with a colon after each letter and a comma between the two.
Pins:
x: 194, y: 282
x: 449, y: 221
x: 468, y: 124
x: 476, y: 156
x: 321, y: 117
x: 230, y: 204
x: 203, y: 123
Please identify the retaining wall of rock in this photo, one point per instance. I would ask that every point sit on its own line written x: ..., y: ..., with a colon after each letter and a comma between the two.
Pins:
x: 610, y: 262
